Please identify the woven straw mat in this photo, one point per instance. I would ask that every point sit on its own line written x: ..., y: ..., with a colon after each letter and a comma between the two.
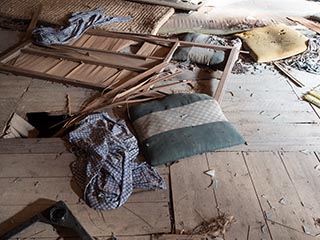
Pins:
x: 147, y: 18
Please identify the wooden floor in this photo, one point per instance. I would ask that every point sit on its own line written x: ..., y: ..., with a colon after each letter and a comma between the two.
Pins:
x: 270, y: 185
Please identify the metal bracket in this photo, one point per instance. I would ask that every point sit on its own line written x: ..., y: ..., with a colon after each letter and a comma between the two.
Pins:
x: 56, y: 215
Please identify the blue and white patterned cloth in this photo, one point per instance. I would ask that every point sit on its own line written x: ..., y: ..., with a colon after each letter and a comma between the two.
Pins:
x: 106, y: 167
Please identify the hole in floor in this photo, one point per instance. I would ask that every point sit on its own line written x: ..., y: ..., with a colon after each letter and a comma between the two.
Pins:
x: 46, y: 123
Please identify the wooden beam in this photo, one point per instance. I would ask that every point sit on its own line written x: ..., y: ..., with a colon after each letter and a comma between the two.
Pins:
x: 177, y: 5
x: 157, y: 40
x: 137, y: 56
x: 49, y: 77
x: 289, y: 75
x: 172, y: 51
x: 74, y: 56
x: 234, y: 54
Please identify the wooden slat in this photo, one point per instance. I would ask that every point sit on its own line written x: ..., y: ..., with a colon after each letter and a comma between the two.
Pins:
x: 233, y: 56
x: 181, y: 5
x: 33, y: 22
x: 236, y: 196
x: 107, y: 52
x: 121, y: 62
x: 155, y: 39
x: 272, y: 183
x: 35, y: 63
x: 58, y: 188
x: 49, y: 77
x: 193, y: 200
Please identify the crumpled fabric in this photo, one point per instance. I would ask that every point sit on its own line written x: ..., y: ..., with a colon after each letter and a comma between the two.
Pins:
x: 77, y: 25
x: 106, y: 169
x: 309, y: 60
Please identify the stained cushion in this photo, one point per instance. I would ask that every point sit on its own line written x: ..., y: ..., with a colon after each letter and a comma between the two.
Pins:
x: 274, y: 42
x: 180, y: 126
x: 204, y: 56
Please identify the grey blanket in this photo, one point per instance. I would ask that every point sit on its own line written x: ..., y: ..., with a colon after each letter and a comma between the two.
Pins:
x: 106, y: 168
x: 77, y: 25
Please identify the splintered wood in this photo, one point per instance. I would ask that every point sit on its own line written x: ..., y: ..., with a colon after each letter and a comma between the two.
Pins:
x: 103, y: 61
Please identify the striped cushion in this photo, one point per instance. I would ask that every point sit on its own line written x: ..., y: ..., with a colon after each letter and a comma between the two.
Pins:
x: 181, y: 125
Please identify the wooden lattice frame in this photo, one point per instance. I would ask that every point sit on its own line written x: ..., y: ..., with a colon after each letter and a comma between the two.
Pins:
x: 79, y: 54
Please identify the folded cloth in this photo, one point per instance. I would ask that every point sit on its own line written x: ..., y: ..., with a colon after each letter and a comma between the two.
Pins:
x: 77, y: 25
x: 105, y: 168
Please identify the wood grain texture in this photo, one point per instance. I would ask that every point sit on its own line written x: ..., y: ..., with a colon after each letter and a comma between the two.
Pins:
x: 33, y: 146
x: 236, y: 196
x: 12, y: 88
x: 303, y: 170
x: 130, y: 219
x: 278, y: 196
x: 193, y: 200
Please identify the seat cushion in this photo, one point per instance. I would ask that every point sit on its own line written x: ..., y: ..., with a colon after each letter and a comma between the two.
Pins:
x: 274, y: 42
x: 180, y: 126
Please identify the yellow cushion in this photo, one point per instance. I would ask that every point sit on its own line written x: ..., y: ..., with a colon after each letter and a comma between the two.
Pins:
x: 273, y: 42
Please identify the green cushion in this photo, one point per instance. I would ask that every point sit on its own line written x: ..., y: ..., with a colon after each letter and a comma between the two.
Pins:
x: 180, y: 126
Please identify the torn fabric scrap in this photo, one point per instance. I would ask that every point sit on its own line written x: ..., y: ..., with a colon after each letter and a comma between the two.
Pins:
x: 77, y: 25
x: 105, y: 167
x: 309, y: 60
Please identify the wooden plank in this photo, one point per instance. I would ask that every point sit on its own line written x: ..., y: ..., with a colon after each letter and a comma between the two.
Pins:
x: 43, y: 96
x: 193, y: 200
x: 233, y: 56
x: 288, y: 74
x: 11, y: 90
x: 273, y: 185
x: 155, y: 39
x: 49, y: 77
x: 130, y: 219
x: 33, y: 146
x: 307, y: 23
x: 272, y: 117
x: 280, y: 136
x: 33, y: 23
x: 28, y: 233
x: 234, y: 192
x: 302, y: 168
x: 36, y: 165
x: 36, y: 185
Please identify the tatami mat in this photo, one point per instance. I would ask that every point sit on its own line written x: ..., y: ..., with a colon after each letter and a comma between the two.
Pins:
x: 146, y: 18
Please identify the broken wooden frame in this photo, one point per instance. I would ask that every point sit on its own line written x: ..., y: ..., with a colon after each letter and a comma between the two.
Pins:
x: 109, y: 59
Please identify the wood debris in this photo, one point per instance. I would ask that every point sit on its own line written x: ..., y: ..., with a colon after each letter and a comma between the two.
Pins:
x: 211, y: 172
x: 18, y: 127
x: 283, y: 201
x: 216, y: 227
